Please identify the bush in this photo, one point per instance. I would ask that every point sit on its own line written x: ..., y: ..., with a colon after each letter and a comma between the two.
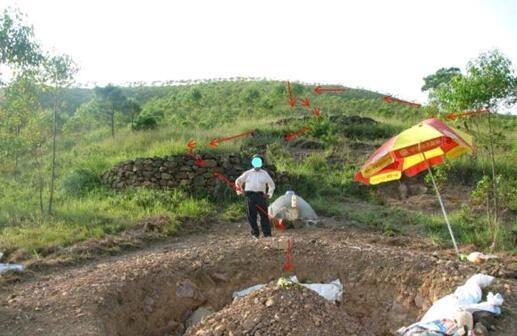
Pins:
x: 79, y: 182
x: 145, y: 122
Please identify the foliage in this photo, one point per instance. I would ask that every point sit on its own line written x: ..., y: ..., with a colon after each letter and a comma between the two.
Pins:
x: 440, y: 174
x: 111, y: 100
x: 440, y: 77
x: 489, y: 79
x: 79, y: 181
x: 18, y: 45
x: 489, y: 82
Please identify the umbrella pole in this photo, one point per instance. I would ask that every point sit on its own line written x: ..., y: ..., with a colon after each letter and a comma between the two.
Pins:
x: 443, y: 207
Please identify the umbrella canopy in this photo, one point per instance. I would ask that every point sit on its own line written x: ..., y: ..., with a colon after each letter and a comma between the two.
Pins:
x: 428, y: 143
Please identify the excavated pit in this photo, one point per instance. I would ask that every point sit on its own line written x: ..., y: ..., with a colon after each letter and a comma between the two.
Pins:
x: 384, y: 287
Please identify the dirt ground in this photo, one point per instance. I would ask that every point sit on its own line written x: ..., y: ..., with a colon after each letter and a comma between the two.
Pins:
x: 388, y: 282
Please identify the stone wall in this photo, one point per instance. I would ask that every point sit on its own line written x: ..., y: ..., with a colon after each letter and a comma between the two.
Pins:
x: 180, y: 171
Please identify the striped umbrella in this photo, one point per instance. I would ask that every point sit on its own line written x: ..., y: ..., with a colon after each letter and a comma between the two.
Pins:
x: 426, y: 144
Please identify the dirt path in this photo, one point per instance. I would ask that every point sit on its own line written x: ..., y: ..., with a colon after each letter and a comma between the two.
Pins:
x: 388, y: 282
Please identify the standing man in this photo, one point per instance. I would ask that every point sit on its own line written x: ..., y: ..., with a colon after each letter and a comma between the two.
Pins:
x: 257, y: 184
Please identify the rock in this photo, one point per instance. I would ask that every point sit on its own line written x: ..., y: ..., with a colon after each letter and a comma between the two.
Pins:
x: 480, y: 329
x: 403, y: 191
x: 166, y: 176
x: 186, y: 288
x: 270, y: 302
x: 210, y: 164
x: 220, y: 276
x: 198, y: 315
x: 199, y: 180
x: 148, y: 304
x: 419, y: 301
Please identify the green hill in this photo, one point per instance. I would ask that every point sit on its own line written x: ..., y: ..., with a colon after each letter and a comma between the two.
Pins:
x: 87, y: 209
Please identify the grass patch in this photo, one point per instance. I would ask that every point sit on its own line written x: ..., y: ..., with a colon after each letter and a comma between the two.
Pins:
x: 99, y: 213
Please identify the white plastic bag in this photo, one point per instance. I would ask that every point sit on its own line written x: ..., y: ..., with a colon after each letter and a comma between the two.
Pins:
x: 10, y: 267
x: 471, y: 292
x: 332, y: 291
x: 466, y: 297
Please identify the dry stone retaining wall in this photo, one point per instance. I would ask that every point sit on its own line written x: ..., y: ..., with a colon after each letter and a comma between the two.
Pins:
x: 180, y: 171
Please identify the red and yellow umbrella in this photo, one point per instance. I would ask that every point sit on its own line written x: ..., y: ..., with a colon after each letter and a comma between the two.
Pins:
x: 428, y: 143
x: 416, y: 149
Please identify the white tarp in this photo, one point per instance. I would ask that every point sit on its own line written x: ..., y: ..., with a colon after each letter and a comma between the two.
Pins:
x: 332, y: 291
x: 10, y: 267
x: 287, y: 208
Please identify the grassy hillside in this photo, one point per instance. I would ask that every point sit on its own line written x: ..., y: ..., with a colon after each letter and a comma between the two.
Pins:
x: 85, y: 209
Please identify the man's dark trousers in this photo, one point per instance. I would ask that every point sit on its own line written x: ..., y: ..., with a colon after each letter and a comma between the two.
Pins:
x: 254, y: 201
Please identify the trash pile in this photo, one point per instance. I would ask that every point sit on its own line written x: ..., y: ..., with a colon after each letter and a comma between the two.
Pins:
x: 287, y: 308
x: 291, y: 207
x: 455, y: 313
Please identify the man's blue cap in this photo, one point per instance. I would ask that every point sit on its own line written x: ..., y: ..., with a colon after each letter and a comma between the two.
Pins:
x: 256, y: 162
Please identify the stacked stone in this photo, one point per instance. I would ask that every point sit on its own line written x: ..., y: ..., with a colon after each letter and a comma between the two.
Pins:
x: 178, y: 171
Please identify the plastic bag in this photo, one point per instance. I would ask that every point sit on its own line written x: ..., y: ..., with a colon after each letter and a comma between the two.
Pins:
x: 471, y: 292
x: 282, y: 208
x: 466, y: 297
x: 332, y: 291
x: 10, y: 267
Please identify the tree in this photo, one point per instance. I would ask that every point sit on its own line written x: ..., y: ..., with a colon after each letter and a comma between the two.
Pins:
x: 111, y: 100
x: 59, y: 73
x: 489, y: 82
x: 17, y: 43
x: 132, y: 108
x: 441, y: 77
x: 20, y: 103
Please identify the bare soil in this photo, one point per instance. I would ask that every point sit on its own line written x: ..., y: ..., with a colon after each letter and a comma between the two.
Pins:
x: 389, y: 282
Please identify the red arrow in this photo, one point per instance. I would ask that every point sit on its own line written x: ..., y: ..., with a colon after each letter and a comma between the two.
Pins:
x: 390, y: 99
x: 288, y: 266
x: 291, y: 136
x: 191, y: 144
x: 291, y: 100
x: 199, y: 161
x: 318, y: 89
x: 223, y: 178
x: 316, y: 111
x: 305, y: 102
x: 215, y: 142
x: 453, y: 116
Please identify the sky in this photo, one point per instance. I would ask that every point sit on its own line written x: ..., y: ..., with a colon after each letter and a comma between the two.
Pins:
x: 386, y: 46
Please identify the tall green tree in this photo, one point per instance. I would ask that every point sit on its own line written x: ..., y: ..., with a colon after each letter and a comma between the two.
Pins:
x: 132, y: 109
x: 18, y: 50
x: 18, y: 46
x: 489, y: 82
x: 59, y: 73
x: 111, y: 99
x: 20, y: 103
x: 441, y: 77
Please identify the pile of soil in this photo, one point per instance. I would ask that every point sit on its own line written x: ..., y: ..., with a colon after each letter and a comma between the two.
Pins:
x: 275, y: 310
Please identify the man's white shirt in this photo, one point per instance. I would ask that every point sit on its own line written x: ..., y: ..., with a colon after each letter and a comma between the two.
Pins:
x: 256, y: 180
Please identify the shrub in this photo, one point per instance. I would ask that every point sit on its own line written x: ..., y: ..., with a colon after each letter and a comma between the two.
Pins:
x: 79, y: 182
x: 145, y: 122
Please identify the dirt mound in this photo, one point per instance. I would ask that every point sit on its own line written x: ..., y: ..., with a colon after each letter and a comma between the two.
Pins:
x: 276, y: 310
